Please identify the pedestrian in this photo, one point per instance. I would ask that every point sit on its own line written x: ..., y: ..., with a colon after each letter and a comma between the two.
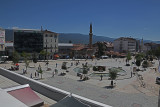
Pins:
x: 53, y: 74
x: 31, y: 75
x: 101, y: 77
x: 23, y: 71
x: 131, y: 74
x: 56, y: 65
x: 35, y: 74
x: 38, y: 74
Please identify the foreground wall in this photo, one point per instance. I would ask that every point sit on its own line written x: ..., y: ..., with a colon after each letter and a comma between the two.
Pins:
x: 47, y: 90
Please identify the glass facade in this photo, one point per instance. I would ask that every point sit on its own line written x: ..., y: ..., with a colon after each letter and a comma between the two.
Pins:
x: 28, y: 41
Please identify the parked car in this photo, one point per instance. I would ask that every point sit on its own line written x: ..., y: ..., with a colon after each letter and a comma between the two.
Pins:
x: 104, y: 57
x: 158, y: 80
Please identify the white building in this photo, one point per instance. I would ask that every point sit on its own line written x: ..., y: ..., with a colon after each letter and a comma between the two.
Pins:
x: 50, y: 42
x: 2, y: 40
x: 124, y: 45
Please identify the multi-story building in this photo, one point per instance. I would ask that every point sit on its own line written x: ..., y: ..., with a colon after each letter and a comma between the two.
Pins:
x: 124, y: 45
x: 2, y: 41
x: 29, y: 40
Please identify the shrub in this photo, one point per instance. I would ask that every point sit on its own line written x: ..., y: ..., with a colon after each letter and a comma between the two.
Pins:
x: 145, y: 64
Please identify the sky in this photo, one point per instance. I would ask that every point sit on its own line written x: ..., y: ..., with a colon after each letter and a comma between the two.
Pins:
x: 110, y: 18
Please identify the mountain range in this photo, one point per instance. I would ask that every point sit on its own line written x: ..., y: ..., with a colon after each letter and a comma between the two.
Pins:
x: 84, y: 39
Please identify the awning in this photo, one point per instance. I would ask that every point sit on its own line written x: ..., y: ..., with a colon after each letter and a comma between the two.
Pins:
x: 26, y: 95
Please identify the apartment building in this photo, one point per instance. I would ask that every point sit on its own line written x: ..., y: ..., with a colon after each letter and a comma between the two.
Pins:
x: 125, y: 44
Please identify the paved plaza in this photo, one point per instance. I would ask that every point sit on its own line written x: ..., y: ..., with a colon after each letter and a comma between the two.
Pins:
x: 127, y: 92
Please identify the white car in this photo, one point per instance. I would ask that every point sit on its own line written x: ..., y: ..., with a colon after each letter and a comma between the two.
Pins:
x: 104, y: 57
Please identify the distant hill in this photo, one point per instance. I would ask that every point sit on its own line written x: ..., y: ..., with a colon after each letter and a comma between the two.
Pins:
x: 81, y: 38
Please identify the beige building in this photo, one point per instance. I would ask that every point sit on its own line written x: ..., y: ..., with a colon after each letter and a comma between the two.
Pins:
x: 50, y: 42
x: 125, y: 44
x: 2, y: 40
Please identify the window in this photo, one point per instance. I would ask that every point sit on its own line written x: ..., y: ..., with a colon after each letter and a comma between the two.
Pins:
x: 55, y: 36
x: 46, y: 35
x: 51, y: 40
x: 51, y: 50
x: 55, y: 40
x: 46, y: 40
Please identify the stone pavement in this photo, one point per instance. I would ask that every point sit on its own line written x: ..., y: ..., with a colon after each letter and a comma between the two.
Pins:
x: 127, y: 92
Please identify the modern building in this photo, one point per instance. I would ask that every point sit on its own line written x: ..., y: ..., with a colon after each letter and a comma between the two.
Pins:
x: 125, y: 44
x: 9, y: 48
x: 2, y: 41
x: 29, y: 40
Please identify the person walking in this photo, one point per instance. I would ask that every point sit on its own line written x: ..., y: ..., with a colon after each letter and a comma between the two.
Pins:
x: 101, y: 77
x: 53, y: 73
x: 35, y: 74
x: 31, y: 75
x: 56, y: 65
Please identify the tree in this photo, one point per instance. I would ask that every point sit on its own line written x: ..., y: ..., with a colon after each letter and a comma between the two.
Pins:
x: 40, y: 70
x: 138, y: 63
x: 26, y: 57
x: 151, y: 58
x: 43, y: 53
x: 34, y: 57
x: 85, y: 71
x: 145, y: 64
x: 113, y: 76
x: 128, y: 58
x: 16, y: 57
x: 139, y: 56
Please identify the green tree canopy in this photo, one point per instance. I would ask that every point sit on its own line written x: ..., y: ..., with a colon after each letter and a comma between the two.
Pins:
x: 16, y: 57
x: 113, y: 75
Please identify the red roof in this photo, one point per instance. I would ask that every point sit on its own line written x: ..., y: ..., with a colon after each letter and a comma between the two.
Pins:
x: 27, y: 96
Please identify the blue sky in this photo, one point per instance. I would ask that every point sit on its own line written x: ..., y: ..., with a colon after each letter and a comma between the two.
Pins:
x: 111, y: 18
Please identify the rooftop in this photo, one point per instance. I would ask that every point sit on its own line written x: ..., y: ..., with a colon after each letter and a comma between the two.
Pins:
x: 7, y: 83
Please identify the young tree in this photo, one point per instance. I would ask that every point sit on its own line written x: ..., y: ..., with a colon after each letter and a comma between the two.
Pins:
x: 85, y: 71
x: 40, y: 71
x: 26, y: 57
x: 128, y: 57
x: 113, y: 76
x: 139, y: 56
x: 138, y: 63
x: 43, y: 53
x: 34, y: 57
x: 16, y: 57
